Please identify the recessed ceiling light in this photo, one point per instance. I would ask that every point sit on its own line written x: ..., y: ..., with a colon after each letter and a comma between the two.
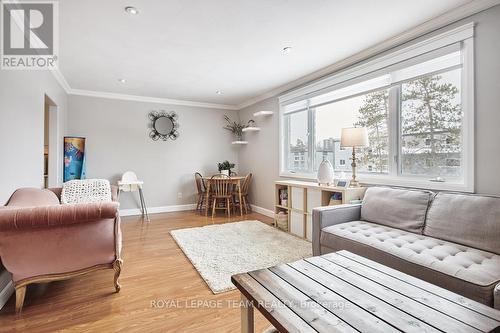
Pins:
x: 131, y: 10
x: 286, y: 50
x: 122, y: 80
x: 218, y: 92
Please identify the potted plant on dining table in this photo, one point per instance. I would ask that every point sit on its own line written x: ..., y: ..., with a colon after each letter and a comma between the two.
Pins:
x: 225, y: 167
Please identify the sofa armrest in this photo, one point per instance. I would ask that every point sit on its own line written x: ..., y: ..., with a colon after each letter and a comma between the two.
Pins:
x: 496, y: 297
x: 29, y: 218
x: 331, y: 215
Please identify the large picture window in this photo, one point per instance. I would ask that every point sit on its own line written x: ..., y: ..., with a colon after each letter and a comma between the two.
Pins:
x: 418, y: 112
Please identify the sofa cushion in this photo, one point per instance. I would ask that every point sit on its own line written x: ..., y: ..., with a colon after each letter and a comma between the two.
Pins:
x: 397, y: 208
x: 467, y: 271
x: 470, y: 220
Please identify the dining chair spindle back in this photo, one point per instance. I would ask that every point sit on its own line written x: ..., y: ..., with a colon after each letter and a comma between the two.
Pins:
x: 221, y: 190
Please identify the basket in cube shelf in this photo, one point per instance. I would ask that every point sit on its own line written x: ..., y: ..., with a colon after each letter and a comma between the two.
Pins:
x: 282, y: 220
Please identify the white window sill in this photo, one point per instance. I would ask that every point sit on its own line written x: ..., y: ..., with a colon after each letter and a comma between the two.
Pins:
x: 412, y: 182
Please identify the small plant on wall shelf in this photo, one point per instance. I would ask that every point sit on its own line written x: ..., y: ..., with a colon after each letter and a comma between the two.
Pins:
x: 237, y: 128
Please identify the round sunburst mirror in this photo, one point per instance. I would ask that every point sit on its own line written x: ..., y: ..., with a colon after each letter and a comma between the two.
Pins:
x: 163, y: 125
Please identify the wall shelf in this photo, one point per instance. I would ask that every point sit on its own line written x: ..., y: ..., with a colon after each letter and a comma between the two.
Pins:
x: 239, y: 142
x: 251, y: 129
x: 263, y: 113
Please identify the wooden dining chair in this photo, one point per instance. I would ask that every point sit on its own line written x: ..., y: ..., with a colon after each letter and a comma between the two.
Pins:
x: 221, y: 189
x: 202, y: 191
x: 245, y: 187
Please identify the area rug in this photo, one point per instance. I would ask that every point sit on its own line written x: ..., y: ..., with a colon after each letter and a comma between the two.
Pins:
x: 221, y: 250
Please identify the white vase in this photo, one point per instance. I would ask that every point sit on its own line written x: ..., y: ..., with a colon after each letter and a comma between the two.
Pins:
x: 225, y: 172
x: 325, y: 173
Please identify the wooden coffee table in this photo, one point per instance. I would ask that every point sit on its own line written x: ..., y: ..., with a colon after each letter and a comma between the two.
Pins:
x: 343, y: 292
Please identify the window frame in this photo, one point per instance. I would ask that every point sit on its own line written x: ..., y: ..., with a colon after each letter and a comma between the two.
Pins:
x: 463, y: 36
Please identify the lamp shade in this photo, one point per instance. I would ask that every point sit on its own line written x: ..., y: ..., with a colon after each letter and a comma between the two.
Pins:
x: 354, y: 137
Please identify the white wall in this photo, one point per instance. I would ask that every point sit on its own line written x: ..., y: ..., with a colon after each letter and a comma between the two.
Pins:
x: 22, y: 127
x: 261, y: 155
x: 262, y: 158
x: 487, y: 84
x: 117, y: 141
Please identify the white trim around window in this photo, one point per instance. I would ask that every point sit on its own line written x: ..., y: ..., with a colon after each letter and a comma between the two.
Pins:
x: 459, y: 39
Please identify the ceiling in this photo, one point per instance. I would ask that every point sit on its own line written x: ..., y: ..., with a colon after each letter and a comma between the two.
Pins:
x: 189, y: 49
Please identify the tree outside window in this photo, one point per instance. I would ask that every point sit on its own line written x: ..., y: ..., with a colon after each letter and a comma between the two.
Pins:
x: 431, y: 125
x: 373, y: 115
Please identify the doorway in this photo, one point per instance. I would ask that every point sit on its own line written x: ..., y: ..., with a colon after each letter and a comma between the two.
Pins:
x: 50, y: 144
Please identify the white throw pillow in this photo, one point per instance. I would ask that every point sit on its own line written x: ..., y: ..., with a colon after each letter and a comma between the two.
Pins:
x: 86, y: 191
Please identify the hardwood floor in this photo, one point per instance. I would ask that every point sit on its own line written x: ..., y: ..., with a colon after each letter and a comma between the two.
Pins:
x: 161, y: 290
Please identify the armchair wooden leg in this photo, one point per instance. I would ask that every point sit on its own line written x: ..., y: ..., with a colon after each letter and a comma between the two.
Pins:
x: 228, y: 208
x: 20, y: 294
x: 117, y: 266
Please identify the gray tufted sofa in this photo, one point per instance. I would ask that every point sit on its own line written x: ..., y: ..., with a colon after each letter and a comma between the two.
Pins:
x: 449, y: 239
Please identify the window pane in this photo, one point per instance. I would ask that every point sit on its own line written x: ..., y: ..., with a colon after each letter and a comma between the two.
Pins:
x: 297, y: 152
x: 431, y: 126
x: 369, y: 110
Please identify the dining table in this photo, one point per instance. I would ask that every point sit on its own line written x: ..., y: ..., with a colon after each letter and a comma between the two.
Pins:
x: 235, y: 180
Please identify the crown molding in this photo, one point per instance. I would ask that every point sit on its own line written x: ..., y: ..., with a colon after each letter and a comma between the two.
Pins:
x: 435, y: 23
x: 70, y: 91
x: 61, y: 80
x: 147, y: 99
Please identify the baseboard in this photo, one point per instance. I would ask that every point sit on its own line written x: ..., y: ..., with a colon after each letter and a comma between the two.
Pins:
x: 263, y: 211
x: 178, y: 208
x: 156, y: 210
x: 5, y: 293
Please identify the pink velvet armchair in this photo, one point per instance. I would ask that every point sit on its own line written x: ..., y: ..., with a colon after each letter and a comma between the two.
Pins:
x: 42, y: 240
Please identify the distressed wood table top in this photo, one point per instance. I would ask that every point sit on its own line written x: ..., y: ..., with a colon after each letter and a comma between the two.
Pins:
x: 343, y: 292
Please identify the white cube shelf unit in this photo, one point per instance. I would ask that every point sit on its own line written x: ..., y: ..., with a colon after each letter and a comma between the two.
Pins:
x: 303, y: 196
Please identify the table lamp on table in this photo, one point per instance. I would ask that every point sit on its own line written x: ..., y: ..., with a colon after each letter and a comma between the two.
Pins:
x: 354, y: 137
